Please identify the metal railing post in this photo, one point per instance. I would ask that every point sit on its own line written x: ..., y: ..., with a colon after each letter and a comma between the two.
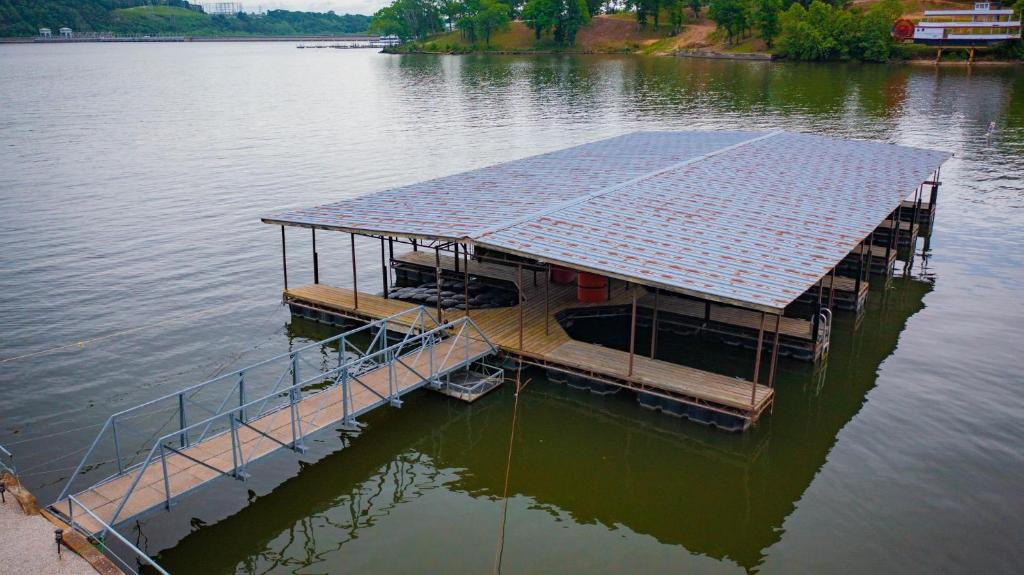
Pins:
x: 167, y: 482
x: 344, y: 396
x: 292, y: 409
x: 182, y: 421
x: 235, y: 448
x: 117, y: 446
x: 81, y: 464
x: 241, y: 396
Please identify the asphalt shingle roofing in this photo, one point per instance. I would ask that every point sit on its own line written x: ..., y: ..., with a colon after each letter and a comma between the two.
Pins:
x: 748, y: 218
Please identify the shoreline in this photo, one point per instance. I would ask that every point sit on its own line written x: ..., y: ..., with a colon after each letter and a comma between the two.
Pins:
x: 700, y: 54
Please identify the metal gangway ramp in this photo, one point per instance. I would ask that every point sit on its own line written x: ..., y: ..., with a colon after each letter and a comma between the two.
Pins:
x: 220, y: 428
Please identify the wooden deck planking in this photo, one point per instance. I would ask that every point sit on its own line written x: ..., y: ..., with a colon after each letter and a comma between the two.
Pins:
x: 501, y: 325
x: 185, y: 474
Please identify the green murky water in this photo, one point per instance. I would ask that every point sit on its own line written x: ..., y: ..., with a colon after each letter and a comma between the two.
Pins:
x: 132, y: 182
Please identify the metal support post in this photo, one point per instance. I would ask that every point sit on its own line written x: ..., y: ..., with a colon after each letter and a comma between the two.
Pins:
x: 437, y: 275
x: 167, y: 481
x: 757, y: 366
x: 284, y: 259
x: 117, y: 446
x: 383, y: 268
x: 316, y: 261
x: 632, y: 333
x: 182, y: 421
x: 241, y: 397
x: 775, y: 351
x: 519, y: 291
x: 654, y: 324
x: 547, y: 302
x: 355, y: 284
x: 465, y: 278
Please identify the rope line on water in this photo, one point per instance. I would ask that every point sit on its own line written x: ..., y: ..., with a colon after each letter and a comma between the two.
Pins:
x: 85, y: 342
x: 216, y: 372
x: 500, y: 551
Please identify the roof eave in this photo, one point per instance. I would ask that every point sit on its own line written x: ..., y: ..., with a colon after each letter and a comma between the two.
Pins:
x: 668, y: 287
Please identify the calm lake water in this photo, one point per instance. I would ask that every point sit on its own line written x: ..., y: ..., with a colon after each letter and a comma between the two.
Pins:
x: 132, y: 179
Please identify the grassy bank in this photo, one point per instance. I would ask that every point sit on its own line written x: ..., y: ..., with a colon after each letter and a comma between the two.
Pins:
x: 619, y: 33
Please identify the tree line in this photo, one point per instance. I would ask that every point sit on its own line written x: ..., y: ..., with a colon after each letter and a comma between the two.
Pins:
x: 478, y: 20
x: 798, y: 29
x: 25, y: 17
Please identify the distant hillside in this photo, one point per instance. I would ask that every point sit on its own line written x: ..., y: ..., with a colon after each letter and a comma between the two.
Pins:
x: 25, y: 17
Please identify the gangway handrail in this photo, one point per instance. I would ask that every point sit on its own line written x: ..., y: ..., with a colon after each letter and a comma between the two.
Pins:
x: 10, y: 468
x: 108, y: 529
x: 272, y: 360
x: 290, y: 392
x: 111, y: 422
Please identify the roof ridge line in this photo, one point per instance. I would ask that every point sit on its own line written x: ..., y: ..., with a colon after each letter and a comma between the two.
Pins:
x: 493, y: 229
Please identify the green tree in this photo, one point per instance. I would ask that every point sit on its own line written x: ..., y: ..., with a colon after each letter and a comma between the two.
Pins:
x: 574, y: 15
x: 387, y: 21
x: 729, y: 15
x: 452, y: 11
x: 872, y: 40
x: 492, y: 17
x: 542, y: 15
x: 766, y: 16
x: 676, y: 16
x: 696, y: 5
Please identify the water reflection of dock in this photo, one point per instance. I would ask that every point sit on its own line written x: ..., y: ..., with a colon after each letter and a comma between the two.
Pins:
x: 759, y: 476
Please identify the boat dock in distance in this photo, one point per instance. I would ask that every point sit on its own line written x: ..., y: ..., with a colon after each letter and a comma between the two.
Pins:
x: 751, y: 239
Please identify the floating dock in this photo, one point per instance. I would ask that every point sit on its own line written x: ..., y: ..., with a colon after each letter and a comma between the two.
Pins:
x: 733, y: 236
x: 748, y: 239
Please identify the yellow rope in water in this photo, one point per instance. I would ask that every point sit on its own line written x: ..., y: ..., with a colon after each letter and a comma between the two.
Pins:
x: 85, y: 342
x: 508, y: 471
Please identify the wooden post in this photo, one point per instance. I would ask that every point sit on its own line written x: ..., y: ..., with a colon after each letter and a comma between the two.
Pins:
x: 654, y: 325
x: 383, y: 268
x: 775, y: 351
x: 355, y: 284
x: 757, y: 366
x: 437, y: 276
x: 391, y: 249
x: 455, y: 246
x: 632, y: 333
x: 284, y: 259
x: 519, y: 291
x: 316, y: 260
x: 414, y: 246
